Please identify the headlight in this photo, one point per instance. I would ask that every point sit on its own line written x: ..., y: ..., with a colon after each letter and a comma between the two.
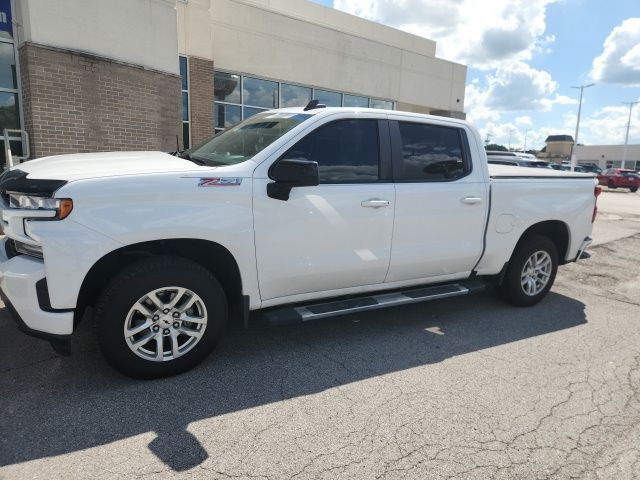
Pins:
x: 62, y: 206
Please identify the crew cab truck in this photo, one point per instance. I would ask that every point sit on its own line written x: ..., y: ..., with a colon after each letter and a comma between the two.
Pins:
x: 301, y: 213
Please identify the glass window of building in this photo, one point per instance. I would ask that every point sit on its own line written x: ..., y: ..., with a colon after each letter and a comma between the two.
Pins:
x: 226, y: 87
x: 185, y: 106
x: 186, y: 124
x: 248, y: 112
x: 294, y: 95
x: 330, y: 99
x: 183, y: 73
x: 225, y: 116
x: 259, y: 93
x: 9, y: 116
x: 383, y: 104
x: 9, y: 86
x: 238, y: 97
x: 355, y: 101
x: 7, y: 66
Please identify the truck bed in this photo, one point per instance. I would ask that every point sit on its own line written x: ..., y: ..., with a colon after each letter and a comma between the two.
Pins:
x: 509, y: 171
x: 521, y: 196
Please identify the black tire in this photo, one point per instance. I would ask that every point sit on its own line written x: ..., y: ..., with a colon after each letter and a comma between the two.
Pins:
x: 610, y: 184
x: 511, y: 289
x: 633, y: 189
x: 136, y: 281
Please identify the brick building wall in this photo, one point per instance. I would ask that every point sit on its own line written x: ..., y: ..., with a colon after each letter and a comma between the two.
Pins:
x: 201, y: 98
x: 75, y: 102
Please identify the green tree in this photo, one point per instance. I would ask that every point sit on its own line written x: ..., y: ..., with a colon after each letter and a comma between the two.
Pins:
x: 495, y: 146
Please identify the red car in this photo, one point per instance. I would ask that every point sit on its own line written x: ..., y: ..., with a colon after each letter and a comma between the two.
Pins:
x: 620, y: 178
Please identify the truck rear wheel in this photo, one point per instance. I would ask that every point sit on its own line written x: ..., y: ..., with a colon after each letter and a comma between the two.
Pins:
x: 531, y: 272
x: 160, y: 316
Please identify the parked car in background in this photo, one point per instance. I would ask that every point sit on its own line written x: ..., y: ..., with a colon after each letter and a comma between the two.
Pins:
x: 592, y: 168
x: 517, y: 162
x: 566, y: 167
x: 620, y: 178
x: 516, y: 159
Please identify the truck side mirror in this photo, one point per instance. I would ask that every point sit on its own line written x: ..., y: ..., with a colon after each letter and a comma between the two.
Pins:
x: 289, y: 173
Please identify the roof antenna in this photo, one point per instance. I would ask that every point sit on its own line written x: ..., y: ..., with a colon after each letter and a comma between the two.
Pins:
x: 313, y: 104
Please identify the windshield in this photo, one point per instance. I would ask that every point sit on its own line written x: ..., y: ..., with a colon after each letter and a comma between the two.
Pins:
x: 246, y: 139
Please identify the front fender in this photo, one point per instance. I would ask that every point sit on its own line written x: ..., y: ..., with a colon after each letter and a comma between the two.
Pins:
x: 120, y: 211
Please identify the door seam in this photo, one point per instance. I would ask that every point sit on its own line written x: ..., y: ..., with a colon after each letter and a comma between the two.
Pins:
x: 393, y: 231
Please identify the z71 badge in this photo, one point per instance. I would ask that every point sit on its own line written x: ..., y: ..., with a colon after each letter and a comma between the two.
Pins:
x: 219, y: 182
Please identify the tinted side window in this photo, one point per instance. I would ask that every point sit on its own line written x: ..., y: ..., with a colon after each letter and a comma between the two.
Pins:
x: 346, y: 151
x: 431, y: 152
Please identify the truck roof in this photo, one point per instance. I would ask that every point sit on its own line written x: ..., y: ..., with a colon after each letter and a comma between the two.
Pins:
x: 332, y: 110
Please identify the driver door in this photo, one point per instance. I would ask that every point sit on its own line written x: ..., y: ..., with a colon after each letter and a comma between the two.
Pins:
x: 335, y: 235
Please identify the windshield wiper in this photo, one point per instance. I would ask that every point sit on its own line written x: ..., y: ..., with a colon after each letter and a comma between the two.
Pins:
x: 187, y: 156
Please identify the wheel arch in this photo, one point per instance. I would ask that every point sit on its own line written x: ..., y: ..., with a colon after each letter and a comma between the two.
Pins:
x: 213, y: 256
x: 555, y: 230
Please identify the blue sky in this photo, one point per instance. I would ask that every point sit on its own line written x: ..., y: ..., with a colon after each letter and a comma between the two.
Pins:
x: 524, y: 56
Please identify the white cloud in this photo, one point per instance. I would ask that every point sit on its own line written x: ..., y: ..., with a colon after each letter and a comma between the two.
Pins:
x: 519, y: 136
x: 514, y: 86
x: 482, y: 34
x: 607, y: 126
x: 475, y: 105
x: 620, y: 60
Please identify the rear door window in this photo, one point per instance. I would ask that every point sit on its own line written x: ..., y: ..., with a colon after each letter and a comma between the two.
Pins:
x: 432, y: 153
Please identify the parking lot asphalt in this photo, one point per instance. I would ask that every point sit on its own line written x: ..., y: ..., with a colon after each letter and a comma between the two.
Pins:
x: 466, y: 388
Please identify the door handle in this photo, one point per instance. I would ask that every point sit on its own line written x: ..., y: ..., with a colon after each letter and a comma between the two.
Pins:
x: 375, y: 203
x: 471, y: 200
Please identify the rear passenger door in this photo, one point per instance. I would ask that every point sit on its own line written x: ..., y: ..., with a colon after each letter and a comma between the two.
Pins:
x: 441, y: 201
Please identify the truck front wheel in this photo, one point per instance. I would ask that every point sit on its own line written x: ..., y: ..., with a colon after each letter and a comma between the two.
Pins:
x: 531, y: 272
x: 160, y: 316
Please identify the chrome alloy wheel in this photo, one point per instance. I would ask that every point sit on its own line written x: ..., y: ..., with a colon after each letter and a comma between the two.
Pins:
x: 165, y: 324
x: 536, y: 273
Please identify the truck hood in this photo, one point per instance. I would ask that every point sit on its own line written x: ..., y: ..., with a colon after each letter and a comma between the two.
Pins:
x: 107, y: 164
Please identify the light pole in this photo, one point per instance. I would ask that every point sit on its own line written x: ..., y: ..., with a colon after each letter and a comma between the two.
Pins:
x: 626, y: 138
x: 510, y: 132
x: 575, y: 139
x: 525, y: 139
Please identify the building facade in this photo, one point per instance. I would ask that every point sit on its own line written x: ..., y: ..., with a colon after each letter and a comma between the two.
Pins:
x: 609, y: 156
x: 86, y: 75
x: 557, y: 148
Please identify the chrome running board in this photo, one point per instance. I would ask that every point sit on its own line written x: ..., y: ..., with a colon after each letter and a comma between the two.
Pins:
x: 332, y: 308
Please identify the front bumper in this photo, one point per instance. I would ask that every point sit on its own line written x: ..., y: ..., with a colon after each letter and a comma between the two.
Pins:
x: 18, y: 278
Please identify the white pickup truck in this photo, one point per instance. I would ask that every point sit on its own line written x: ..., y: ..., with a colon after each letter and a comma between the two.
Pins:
x: 300, y: 213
